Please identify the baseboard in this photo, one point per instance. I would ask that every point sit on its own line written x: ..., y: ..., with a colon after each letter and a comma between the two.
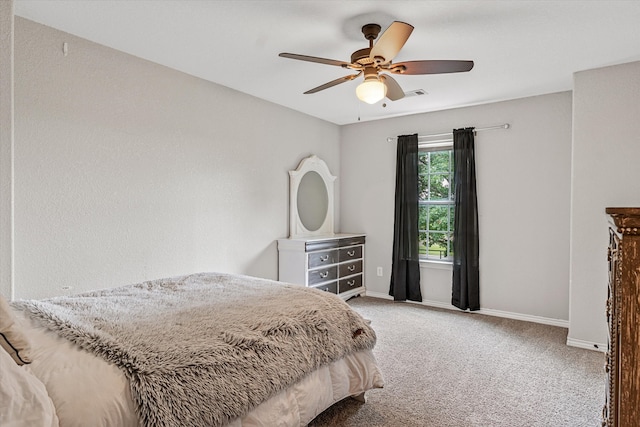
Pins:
x: 486, y: 311
x: 586, y: 344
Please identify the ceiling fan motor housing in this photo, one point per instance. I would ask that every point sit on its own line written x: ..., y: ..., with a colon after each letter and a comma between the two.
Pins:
x: 361, y: 57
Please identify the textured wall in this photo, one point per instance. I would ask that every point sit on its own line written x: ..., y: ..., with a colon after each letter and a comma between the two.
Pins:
x: 523, y: 179
x: 126, y: 170
x: 6, y: 148
x: 606, y: 149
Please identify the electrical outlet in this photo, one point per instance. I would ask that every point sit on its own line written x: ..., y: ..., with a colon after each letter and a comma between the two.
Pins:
x: 379, y: 271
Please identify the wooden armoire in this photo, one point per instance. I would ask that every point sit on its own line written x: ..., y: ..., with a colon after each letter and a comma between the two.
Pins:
x: 622, y: 408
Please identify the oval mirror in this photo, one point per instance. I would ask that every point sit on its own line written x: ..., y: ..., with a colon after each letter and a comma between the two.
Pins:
x: 313, y: 201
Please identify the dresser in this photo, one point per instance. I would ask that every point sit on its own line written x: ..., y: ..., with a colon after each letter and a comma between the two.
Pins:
x: 622, y: 407
x: 332, y: 263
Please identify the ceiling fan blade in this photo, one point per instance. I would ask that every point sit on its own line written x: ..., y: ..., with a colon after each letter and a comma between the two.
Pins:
x: 390, y: 42
x: 332, y: 83
x: 431, y: 67
x: 314, y: 59
x: 394, y: 91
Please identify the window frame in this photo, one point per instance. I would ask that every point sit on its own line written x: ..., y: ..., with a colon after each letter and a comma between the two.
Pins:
x: 440, y: 146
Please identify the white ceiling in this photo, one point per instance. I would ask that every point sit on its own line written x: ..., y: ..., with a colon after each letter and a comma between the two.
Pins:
x: 520, y: 48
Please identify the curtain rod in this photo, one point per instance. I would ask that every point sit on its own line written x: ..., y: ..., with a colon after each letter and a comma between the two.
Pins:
x: 450, y: 134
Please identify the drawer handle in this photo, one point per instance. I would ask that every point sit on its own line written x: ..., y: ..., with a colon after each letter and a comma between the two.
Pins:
x: 324, y: 274
x: 351, y: 268
x: 351, y: 253
x: 324, y: 258
x: 351, y: 282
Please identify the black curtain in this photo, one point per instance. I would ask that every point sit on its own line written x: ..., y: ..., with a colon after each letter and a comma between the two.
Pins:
x: 466, y: 272
x: 405, y: 267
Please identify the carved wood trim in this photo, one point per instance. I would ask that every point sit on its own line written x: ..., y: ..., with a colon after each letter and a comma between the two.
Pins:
x: 623, y: 309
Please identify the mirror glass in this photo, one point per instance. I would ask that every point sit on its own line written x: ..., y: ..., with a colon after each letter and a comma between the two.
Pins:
x: 313, y: 201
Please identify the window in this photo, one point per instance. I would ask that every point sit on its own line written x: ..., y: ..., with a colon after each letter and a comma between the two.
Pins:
x: 435, y: 203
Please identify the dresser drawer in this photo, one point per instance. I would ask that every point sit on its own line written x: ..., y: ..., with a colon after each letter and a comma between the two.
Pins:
x: 351, y: 241
x: 323, y: 275
x: 349, y: 283
x: 352, y: 253
x: 349, y: 268
x: 317, y: 259
x: 328, y: 287
x: 320, y: 245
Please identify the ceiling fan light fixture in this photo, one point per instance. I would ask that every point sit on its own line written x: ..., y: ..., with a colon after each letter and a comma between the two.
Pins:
x: 371, y: 91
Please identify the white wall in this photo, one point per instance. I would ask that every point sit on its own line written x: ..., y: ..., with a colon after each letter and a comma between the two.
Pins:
x: 126, y: 170
x: 606, y: 149
x: 523, y: 179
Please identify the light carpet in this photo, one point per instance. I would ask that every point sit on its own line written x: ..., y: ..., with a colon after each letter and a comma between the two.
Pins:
x: 446, y: 368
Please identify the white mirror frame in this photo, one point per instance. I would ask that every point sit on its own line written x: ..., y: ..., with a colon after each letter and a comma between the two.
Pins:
x: 296, y: 227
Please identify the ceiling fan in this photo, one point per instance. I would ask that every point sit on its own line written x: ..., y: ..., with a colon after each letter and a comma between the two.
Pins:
x: 376, y: 60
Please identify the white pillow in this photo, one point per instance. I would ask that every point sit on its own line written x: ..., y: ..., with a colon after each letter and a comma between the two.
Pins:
x: 24, y: 401
x: 12, y: 339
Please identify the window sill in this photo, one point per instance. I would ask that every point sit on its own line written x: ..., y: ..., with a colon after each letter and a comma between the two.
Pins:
x: 440, y: 265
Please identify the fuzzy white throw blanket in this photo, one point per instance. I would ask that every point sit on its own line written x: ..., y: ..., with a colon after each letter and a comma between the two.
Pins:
x: 203, y: 349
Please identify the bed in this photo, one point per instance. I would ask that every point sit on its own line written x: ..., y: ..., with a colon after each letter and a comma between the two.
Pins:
x: 207, y: 349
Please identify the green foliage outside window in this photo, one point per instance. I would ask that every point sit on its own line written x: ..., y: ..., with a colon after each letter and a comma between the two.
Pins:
x: 436, y: 209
